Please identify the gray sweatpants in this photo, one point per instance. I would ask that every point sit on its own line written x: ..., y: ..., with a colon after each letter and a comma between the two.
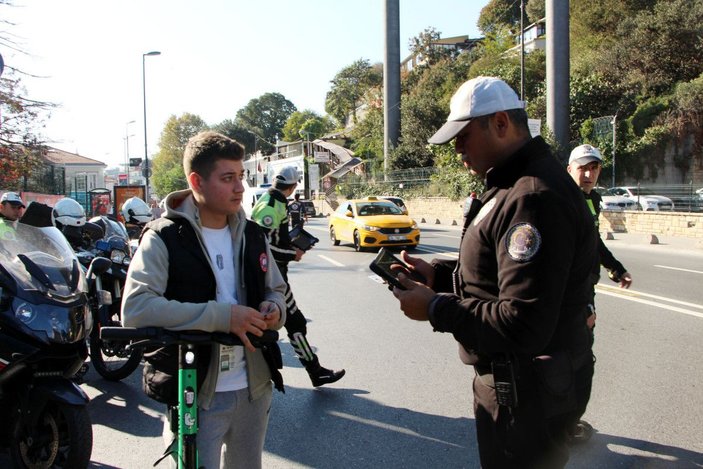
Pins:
x: 231, y: 432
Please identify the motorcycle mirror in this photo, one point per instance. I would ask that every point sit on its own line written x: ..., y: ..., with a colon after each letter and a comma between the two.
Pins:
x: 98, y: 266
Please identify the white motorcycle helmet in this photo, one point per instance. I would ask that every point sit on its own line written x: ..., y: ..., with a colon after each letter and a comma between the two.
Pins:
x: 68, y: 212
x: 136, y: 211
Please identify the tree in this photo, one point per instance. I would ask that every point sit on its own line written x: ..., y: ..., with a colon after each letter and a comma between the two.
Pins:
x: 535, y: 10
x: 308, y: 121
x: 424, y: 46
x: 235, y: 131
x: 21, y: 119
x: 167, y: 164
x: 500, y: 13
x: 265, y: 116
x: 349, y: 87
x: 657, y: 48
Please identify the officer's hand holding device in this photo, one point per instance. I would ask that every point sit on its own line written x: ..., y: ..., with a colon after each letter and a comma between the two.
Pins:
x: 388, y: 266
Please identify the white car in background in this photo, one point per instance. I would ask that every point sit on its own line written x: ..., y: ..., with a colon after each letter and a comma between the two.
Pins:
x: 647, y: 200
x: 614, y: 203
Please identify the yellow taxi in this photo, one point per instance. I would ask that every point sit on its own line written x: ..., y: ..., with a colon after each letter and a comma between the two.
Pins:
x: 372, y: 222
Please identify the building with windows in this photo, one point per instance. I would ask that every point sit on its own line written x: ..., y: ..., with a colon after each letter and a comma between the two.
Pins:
x: 81, y: 174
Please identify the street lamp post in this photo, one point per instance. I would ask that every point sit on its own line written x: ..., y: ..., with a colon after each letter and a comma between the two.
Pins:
x: 126, y: 149
x: 147, y: 168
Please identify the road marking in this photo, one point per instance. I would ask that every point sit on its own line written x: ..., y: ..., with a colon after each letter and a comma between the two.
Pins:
x: 441, y: 252
x: 678, y: 268
x: 387, y: 426
x: 637, y: 298
x: 330, y: 260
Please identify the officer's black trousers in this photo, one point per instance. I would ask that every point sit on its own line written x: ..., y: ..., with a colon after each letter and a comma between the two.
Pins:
x: 520, y: 437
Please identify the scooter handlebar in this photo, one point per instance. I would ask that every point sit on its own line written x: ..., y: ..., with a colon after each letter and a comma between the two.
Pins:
x: 161, y: 336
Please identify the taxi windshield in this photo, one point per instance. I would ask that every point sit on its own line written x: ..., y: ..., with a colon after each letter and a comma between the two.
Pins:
x: 377, y: 208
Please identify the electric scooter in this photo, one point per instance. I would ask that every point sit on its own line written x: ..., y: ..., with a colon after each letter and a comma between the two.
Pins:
x: 186, y: 454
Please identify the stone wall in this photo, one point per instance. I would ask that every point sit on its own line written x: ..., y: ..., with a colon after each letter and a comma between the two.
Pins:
x: 677, y: 224
x: 440, y: 210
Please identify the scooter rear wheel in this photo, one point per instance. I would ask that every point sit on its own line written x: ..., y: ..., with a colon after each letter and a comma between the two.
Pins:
x: 61, y: 438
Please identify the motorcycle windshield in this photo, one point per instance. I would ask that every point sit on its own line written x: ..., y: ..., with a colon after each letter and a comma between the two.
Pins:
x: 40, y: 259
x: 114, y: 228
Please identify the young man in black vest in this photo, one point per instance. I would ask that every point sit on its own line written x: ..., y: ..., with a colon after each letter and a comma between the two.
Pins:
x: 203, y: 266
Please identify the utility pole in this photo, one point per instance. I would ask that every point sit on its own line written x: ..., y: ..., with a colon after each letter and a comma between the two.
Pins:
x: 522, y: 50
x: 391, y: 81
x: 615, y: 117
x: 558, y: 73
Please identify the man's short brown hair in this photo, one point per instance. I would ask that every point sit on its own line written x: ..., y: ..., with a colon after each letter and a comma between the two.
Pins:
x: 204, y: 149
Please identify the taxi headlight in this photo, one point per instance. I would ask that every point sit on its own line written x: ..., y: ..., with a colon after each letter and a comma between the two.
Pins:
x: 414, y: 227
x: 371, y: 228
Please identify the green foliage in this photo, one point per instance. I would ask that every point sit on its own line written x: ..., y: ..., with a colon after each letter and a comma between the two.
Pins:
x: 265, y: 116
x: 535, y: 10
x: 656, y: 48
x: 309, y: 123
x: 241, y: 134
x: 167, y: 164
x: 349, y: 87
x: 646, y: 113
x: 499, y: 13
x: 422, y: 46
x: 367, y: 138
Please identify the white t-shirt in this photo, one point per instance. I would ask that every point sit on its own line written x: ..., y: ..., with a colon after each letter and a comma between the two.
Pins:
x: 233, y: 372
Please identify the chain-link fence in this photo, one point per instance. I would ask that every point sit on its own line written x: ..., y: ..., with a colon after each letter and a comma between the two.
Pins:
x: 457, y: 184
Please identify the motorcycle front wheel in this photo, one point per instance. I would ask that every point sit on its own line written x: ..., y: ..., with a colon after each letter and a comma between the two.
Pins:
x: 114, y: 361
x: 61, y: 438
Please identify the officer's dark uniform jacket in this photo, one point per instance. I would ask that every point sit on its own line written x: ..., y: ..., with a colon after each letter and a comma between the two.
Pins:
x: 613, y: 266
x: 524, y: 267
x: 188, y: 299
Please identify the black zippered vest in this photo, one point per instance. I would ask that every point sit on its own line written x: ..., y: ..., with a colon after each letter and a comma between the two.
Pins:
x: 190, y: 279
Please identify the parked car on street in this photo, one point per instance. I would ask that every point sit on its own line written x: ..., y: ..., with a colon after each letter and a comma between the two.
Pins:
x: 309, y: 207
x: 396, y: 200
x: 614, y: 203
x: 646, y: 198
x: 372, y: 222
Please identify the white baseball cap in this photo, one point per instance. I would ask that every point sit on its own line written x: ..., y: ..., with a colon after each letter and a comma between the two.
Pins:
x: 11, y: 197
x: 584, y: 154
x: 480, y: 96
x: 287, y: 175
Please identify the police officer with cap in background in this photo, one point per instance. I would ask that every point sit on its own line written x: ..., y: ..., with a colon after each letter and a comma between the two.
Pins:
x: 514, y: 299
x: 271, y: 212
x: 585, y: 164
x: 11, y: 206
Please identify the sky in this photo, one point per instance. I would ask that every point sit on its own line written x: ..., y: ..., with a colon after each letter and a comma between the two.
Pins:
x: 216, y: 55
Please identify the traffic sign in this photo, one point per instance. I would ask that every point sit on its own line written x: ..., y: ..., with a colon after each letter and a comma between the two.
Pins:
x: 146, y: 172
x: 134, y: 162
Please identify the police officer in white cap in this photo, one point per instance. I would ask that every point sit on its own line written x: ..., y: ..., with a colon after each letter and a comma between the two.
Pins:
x: 514, y: 299
x: 11, y: 206
x: 585, y: 164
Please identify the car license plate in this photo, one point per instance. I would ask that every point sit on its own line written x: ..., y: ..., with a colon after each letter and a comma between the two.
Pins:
x: 396, y: 237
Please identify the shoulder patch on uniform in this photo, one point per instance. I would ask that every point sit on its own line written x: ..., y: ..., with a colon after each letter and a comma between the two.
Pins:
x: 522, y: 242
x: 267, y: 221
x: 264, y: 262
x: 484, y: 211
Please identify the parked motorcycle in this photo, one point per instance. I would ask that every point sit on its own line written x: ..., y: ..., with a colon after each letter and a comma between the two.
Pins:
x: 112, y: 360
x: 44, y: 322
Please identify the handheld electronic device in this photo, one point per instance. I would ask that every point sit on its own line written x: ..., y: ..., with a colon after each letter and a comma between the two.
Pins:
x: 381, y: 266
x: 301, y: 239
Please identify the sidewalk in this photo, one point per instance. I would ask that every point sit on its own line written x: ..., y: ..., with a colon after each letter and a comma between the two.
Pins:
x: 630, y: 241
x: 679, y: 244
